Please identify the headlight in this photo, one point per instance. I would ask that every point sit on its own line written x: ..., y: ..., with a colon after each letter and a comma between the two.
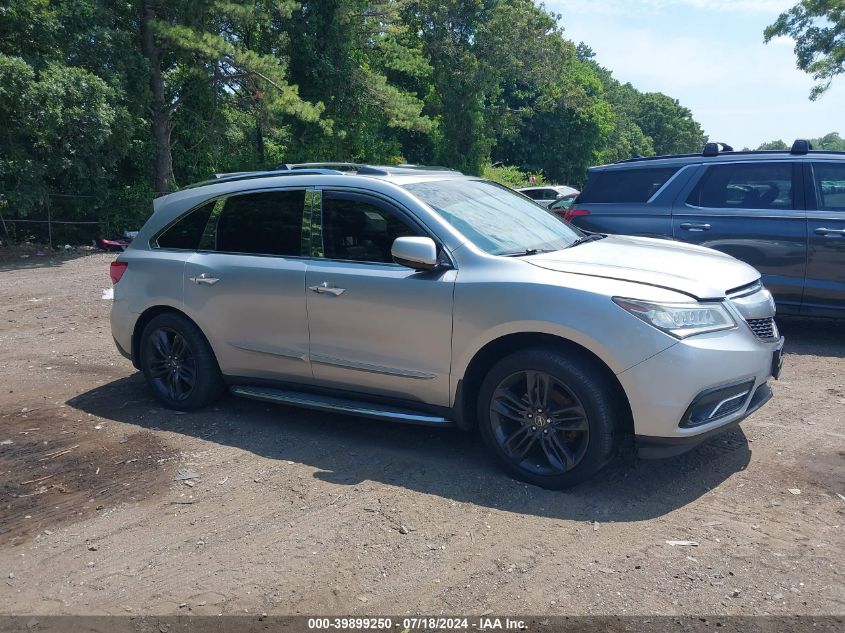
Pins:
x: 680, y: 319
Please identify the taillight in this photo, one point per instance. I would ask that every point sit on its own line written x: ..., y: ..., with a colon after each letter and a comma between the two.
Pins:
x: 572, y: 213
x: 116, y: 271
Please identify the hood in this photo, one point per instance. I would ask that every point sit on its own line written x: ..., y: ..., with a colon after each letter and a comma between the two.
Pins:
x: 694, y: 270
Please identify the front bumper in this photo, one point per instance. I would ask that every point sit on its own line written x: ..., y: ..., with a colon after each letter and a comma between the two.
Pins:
x: 661, y: 389
x: 649, y: 447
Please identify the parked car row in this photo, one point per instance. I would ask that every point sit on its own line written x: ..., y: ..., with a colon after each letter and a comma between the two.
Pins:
x: 430, y: 297
x: 783, y: 212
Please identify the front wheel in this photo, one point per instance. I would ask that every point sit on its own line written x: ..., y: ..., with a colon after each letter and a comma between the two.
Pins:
x: 178, y: 363
x: 549, y: 418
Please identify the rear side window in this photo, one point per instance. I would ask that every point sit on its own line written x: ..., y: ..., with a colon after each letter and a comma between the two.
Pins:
x: 266, y: 223
x: 625, y: 185
x: 745, y: 186
x: 830, y: 186
x: 185, y: 234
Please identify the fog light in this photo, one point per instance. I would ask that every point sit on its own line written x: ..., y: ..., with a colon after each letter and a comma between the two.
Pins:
x: 715, y: 404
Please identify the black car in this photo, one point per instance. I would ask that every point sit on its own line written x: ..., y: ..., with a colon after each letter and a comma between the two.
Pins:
x: 783, y: 212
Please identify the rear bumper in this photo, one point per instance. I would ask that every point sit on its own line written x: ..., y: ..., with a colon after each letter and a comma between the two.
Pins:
x: 651, y: 447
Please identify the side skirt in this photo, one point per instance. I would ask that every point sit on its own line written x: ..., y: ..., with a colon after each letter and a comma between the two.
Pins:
x: 334, y: 404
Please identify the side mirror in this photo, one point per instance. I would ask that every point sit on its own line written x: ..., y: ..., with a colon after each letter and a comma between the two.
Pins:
x: 419, y: 253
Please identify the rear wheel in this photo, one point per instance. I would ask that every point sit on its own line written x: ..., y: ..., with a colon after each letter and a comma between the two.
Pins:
x: 178, y: 363
x: 549, y: 419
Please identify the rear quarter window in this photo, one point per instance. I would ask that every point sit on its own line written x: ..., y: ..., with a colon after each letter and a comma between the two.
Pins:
x: 186, y: 232
x: 625, y: 185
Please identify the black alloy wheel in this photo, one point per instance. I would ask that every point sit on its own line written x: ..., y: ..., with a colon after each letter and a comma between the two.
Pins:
x: 539, y: 423
x: 179, y: 364
x: 552, y: 417
x: 172, y: 366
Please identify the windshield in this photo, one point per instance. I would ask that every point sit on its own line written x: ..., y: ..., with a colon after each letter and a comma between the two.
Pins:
x: 496, y: 219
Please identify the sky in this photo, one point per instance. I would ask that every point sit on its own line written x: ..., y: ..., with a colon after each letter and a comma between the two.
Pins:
x: 710, y: 55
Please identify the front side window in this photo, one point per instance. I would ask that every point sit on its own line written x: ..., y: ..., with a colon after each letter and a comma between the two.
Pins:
x: 264, y: 223
x: 745, y: 186
x: 496, y: 219
x: 830, y: 186
x: 361, y: 230
x: 621, y: 186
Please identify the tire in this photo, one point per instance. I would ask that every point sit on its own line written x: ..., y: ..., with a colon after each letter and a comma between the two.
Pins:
x: 178, y: 363
x: 552, y: 451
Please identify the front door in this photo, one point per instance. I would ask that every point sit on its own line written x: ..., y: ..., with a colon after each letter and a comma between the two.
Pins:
x: 376, y: 327
x: 245, y: 287
x: 755, y: 212
x: 824, y: 294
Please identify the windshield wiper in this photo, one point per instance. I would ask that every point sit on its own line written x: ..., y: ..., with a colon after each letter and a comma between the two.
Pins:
x: 587, y: 238
x: 526, y: 252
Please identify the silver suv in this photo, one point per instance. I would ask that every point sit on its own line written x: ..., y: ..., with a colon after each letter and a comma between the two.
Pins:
x: 429, y: 297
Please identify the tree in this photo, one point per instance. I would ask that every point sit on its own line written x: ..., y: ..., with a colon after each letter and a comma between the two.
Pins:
x: 122, y: 100
x: 358, y: 58
x: 61, y: 133
x: 670, y: 125
x: 818, y: 28
x: 778, y: 144
x: 193, y: 46
x: 830, y: 141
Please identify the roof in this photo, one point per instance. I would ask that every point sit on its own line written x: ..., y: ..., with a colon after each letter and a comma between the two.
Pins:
x: 719, y: 152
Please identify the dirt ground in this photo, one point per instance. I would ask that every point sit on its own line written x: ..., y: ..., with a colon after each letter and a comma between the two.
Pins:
x: 294, y: 512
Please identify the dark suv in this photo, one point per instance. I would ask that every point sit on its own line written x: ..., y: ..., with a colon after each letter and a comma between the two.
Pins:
x: 783, y: 212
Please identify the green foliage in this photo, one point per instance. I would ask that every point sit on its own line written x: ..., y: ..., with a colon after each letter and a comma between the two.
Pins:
x: 115, y: 101
x: 831, y: 141
x: 511, y: 176
x: 60, y: 133
x: 778, y: 144
x: 818, y: 29
x: 670, y: 125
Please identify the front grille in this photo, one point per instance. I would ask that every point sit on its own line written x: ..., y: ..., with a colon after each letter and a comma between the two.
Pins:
x: 764, y: 328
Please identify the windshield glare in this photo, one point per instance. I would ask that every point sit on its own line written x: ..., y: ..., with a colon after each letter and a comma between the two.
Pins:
x: 496, y: 219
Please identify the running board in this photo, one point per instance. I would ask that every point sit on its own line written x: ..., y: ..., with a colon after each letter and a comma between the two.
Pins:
x: 339, y: 405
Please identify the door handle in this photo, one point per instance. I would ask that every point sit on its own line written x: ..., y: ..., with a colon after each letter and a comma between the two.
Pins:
x: 825, y: 231
x: 695, y: 226
x: 325, y: 289
x: 204, y: 279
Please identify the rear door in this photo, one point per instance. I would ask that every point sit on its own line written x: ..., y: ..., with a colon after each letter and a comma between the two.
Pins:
x: 376, y: 326
x: 245, y: 287
x: 824, y: 292
x: 754, y: 211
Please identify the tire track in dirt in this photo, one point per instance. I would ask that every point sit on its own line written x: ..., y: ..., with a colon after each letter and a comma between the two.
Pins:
x: 55, y: 471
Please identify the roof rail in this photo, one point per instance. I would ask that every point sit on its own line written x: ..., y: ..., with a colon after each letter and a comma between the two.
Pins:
x: 713, y: 149
x: 801, y: 146
x: 337, y: 166
x: 249, y: 175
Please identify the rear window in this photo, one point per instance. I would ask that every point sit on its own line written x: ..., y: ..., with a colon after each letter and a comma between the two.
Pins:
x: 625, y: 185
